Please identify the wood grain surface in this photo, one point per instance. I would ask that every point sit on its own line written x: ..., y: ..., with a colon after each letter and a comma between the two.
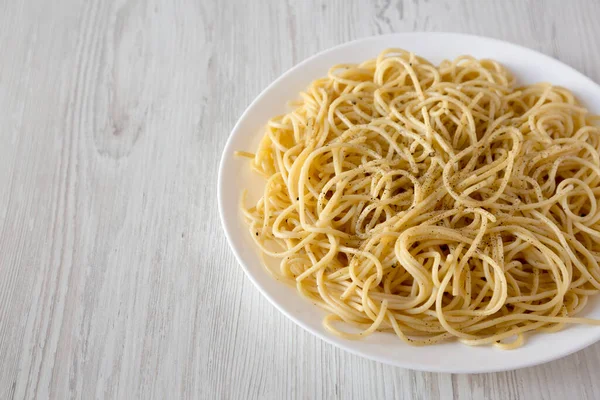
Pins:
x: 115, y: 278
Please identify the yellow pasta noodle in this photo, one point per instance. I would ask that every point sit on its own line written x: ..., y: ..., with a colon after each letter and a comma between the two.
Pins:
x: 434, y: 202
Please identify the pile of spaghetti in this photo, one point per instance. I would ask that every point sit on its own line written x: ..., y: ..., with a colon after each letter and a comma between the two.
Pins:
x: 435, y: 202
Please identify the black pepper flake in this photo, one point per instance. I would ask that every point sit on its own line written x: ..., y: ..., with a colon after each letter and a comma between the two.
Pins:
x: 256, y: 233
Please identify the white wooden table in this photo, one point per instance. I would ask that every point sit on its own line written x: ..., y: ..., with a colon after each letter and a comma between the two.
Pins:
x: 115, y: 278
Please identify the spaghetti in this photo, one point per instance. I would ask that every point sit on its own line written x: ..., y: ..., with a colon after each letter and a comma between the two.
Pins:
x: 435, y: 202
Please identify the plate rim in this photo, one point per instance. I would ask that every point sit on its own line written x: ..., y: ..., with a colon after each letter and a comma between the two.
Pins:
x: 412, y: 365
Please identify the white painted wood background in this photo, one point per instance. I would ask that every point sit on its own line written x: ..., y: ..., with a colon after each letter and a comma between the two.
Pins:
x: 115, y: 278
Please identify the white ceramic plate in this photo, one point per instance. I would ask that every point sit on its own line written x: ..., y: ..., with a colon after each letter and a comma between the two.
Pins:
x: 235, y: 175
